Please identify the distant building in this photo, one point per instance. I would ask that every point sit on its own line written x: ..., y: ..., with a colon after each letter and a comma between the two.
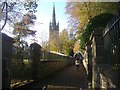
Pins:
x: 53, y: 26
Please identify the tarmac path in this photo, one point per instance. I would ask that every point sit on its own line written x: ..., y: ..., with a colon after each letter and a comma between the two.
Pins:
x: 67, y: 78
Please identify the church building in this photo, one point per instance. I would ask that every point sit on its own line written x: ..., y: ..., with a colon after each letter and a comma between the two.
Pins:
x: 53, y: 26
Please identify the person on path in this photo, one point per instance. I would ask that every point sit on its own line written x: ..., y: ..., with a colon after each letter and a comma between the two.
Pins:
x: 78, y: 57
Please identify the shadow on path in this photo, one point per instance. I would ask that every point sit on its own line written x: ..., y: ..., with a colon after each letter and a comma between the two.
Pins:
x: 68, y: 77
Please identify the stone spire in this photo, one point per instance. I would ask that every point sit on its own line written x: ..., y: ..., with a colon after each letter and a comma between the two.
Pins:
x: 54, y: 18
x: 53, y: 26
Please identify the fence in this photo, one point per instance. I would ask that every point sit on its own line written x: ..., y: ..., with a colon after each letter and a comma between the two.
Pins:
x: 111, y: 38
x: 105, y: 53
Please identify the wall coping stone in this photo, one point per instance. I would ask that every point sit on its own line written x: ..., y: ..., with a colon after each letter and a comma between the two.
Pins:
x: 107, y: 71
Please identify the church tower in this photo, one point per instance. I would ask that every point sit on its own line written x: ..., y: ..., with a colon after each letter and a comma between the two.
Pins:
x: 53, y: 26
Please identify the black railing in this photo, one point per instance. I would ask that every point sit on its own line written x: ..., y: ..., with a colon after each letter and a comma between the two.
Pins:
x: 111, y: 38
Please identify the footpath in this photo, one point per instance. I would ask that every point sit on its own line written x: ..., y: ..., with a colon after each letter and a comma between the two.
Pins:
x: 68, y: 78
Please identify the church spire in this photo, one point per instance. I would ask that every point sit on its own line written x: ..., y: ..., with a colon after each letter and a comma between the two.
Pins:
x: 53, y: 16
x: 53, y: 26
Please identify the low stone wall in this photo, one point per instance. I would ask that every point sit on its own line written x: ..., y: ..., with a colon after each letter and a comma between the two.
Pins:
x: 105, y: 77
x: 46, y: 68
x: 85, y: 63
x: 22, y: 73
x: 102, y: 74
x: 6, y: 42
x: 40, y: 64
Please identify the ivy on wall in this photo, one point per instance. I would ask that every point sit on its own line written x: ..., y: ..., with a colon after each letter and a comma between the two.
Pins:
x: 98, y: 21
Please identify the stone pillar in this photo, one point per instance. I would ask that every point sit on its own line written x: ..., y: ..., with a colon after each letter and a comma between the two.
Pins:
x: 97, y: 55
x: 89, y: 56
x: 35, y: 50
x: 97, y: 45
x: 0, y: 60
x: 7, y: 44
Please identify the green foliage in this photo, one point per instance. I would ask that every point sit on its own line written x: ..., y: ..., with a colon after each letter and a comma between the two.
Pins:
x: 21, y: 30
x: 98, y: 21
x: 61, y: 43
x: 81, y: 14
x: 70, y: 52
x: 116, y: 67
x: 31, y: 6
x: 71, y: 47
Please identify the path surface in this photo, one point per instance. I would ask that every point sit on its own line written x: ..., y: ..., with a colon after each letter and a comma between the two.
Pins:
x: 68, y: 77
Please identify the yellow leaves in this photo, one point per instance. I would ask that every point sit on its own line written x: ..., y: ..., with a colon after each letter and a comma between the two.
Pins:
x: 59, y: 43
x: 52, y: 46
x: 83, y: 12
x: 78, y: 13
x: 26, y: 20
x: 76, y: 46
x: 22, y: 28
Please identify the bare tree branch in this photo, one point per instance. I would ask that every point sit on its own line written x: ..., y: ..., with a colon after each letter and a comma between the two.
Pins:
x: 6, y: 13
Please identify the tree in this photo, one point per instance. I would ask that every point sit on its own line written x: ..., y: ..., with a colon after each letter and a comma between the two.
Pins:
x: 21, y: 30
x: 76, y: 46
x: 12, y: 11
x: 21, y: 49
x: 71, y: 46
x: 53, y: 44
x: 66, y: 44
x: 95, y: 22
x: 63, y: 42
x: 80, y: 13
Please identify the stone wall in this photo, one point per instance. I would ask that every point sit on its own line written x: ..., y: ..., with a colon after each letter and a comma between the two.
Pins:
x: 39, y: 66
x: 7, y: 43
x: 36, y: 68
x: 108, y: 77
x: 51, y: 62
x: 105, y: 77
x: 0, y: 61
x: 102, y: 74
x: 46, y: 68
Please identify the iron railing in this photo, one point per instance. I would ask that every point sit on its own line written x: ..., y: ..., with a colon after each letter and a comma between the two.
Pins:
x: 111, y: 39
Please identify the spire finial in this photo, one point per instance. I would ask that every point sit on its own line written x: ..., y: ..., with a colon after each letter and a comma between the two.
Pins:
x: 53, y: 3
x: 53, y: 16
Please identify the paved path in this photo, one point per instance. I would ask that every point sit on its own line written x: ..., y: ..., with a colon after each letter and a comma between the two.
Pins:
x: 69, y: 77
